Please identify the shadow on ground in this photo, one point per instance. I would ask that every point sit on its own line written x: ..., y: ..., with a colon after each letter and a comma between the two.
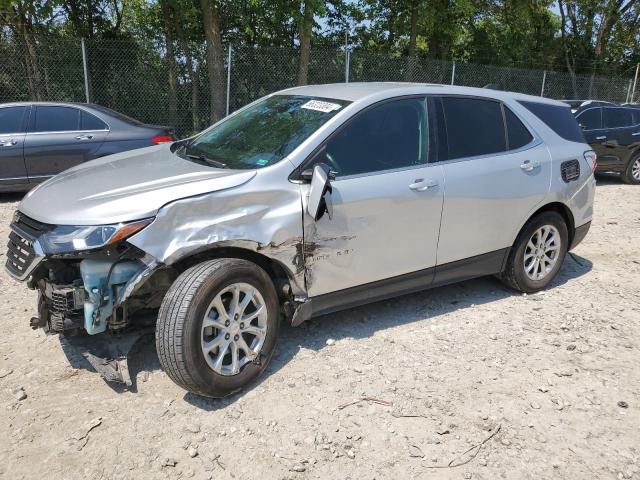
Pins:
x: 360, y: 322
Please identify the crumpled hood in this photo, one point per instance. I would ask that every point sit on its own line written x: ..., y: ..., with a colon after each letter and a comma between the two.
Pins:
x: 124, y: 187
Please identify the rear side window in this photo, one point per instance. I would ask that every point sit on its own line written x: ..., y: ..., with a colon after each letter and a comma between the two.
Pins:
x: 91, y: 122
x: 617, y: 117
x: 517, y: 134
x: 388, y: 136
x: 557, y: 118
x: 11, y: 119
x: 473, y: 127
x: 636, y: 116
x: 590, y: 119
x: 56, y: 119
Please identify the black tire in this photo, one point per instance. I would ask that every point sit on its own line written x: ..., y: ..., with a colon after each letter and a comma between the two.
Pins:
x: 627, y: 175
x: 514, y: 275
x: 179, y: 327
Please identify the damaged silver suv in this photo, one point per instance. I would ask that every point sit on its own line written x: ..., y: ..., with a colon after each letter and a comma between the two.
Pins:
x: 308, y: 201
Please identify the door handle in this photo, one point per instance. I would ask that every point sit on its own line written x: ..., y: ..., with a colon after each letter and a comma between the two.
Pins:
x: 84, y: 137
x: 8, y: 143
x: 603, y: 137
x: 528, y: 165
x: 421, y: 185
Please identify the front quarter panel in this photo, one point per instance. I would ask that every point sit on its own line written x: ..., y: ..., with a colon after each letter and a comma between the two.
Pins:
x: 263, y: 215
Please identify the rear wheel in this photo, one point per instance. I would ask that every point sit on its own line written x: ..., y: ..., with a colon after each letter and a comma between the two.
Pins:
x: 217, y: 326
x: 632, y: 173
x: 537, y: 254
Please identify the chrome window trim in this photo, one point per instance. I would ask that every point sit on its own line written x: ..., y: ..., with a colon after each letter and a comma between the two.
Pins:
x: 80, y: 108
x: 633, y: 125
x: 535, y: 141
x: 67, y: 131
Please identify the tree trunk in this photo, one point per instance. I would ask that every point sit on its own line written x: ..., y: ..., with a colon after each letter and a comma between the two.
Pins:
x: 413, y: 38
x: 305, y: 42
x: 34, y: 76
x: 171, y: 61
x: 215, y: 58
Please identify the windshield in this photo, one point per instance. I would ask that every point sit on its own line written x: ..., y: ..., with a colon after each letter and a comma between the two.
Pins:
x: 262, y: 134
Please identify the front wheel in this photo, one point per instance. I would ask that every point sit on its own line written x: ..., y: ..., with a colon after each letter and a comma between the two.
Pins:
x: 217, y: 326
x: 538, y: 253
x: 632, y: 173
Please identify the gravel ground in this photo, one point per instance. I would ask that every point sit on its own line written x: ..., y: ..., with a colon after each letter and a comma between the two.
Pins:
x: 544, y: 386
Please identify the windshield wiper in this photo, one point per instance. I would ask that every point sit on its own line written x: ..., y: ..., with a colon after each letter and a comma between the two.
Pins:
x: 204, y: 158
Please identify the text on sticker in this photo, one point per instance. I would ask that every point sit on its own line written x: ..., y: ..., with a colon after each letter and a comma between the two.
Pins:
x: 321, y: 106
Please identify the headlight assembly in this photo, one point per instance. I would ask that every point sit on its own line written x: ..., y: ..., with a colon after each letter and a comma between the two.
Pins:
x: 68, y: 238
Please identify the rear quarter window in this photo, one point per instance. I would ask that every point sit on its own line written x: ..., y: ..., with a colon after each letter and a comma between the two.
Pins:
x: 557, y: 118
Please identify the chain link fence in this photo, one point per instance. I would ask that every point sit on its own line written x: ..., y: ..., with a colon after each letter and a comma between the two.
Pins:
x: 140, y: 80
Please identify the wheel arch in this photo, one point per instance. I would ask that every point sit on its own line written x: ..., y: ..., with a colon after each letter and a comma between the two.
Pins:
x: 559, y: 208
x: 282, y: 277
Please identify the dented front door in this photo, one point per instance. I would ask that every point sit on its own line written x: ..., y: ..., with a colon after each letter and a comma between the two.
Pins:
x: 381, y: 226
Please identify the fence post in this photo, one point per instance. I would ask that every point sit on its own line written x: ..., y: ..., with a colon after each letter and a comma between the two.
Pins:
x: 544, y: 81
x: 628, y: 97
x: 453, y: 73
x: 347, y: 60
x: 635, y: 82
x: 85, y: 70
x: 229, y: 78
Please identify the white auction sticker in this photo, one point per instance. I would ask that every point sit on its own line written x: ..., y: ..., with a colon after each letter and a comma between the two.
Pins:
x: 321, y: 106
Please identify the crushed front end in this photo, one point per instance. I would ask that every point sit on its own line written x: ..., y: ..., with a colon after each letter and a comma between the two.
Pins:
x: 89, y: 280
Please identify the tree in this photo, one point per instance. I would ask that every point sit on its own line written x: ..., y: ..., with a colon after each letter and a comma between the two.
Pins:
x: 215, y: 57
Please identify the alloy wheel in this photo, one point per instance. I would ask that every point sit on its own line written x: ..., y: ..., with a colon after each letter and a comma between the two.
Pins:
x: 541, y: 253
x: 635, y: 170
x: 234, y: 328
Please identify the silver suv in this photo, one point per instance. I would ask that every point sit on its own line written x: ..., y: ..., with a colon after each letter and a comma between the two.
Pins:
x: 307, y: 201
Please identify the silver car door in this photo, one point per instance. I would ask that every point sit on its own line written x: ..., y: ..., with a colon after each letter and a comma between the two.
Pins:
x: 384, y: 206
x: 12, y: 128
x: 491, y: 186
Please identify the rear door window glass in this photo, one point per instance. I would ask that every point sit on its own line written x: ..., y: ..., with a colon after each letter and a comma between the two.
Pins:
x: 11, y: 119
x: 56, y: 119
x: 91, y: 122
x: 558, y: 118
x: 617, y: 117
x: 473, y: 127
x: 517, y: 134
x: 385, y: 137
x: 636, y: 116
x: 590, y: 119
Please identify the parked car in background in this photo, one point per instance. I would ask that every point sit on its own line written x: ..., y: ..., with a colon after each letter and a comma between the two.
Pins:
x: 308, y: 201
x: 613, y: 131
x: 40, y: 139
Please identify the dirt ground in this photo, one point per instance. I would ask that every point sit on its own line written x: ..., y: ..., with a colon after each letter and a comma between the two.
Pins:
x: 543, y: 386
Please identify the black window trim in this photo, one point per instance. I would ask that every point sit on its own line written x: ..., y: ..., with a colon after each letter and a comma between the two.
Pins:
x: 25, y: 118
x: 296, y: 175
x: 633, y: 125
x: 601, y: 119
x: 77, y: 107
x: 535, y: 141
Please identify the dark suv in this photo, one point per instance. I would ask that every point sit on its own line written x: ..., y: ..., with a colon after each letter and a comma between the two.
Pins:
x: 613, y: 131
x: 41, y: 139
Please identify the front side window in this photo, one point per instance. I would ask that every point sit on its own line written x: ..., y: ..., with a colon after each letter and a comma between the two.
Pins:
x: 262, y: 134
x: 590, y: 119
x: 473, y: 127
x: 11, y: 119
x: 388, y: 136
x: 617, y: 117
x: 56, y: 119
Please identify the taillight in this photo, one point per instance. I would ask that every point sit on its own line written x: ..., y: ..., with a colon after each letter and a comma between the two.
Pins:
x: 592, y: 159
x: 161, y: 139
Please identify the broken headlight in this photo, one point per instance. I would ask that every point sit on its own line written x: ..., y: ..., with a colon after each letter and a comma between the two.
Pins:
x: 68, y: 238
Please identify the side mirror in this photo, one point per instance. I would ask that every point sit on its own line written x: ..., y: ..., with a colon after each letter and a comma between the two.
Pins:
x: 319, y: 201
